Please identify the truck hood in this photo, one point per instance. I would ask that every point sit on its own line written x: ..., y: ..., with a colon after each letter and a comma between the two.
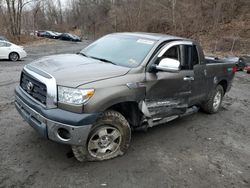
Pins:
x: 74, y: 70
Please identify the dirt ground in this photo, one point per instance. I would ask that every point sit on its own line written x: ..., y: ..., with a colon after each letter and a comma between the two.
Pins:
x: 196, y: 151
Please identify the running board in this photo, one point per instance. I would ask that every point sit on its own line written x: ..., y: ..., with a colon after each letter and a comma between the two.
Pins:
x: 190, y: 111
x: 157, y: 121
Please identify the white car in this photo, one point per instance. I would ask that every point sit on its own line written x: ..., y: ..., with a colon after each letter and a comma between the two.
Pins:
x: 11, y: 51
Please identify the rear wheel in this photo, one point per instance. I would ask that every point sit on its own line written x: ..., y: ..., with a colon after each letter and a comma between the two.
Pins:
x: 212, y: 105
x: 109, y: 138
x: 13, y: 56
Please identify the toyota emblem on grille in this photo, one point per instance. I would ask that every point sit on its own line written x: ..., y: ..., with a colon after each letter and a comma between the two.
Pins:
x: 30, y: 87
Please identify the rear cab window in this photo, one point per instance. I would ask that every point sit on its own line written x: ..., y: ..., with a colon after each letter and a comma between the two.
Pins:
x: 190, y: 57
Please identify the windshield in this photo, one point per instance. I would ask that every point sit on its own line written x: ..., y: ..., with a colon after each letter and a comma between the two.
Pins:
x: 127, y: 51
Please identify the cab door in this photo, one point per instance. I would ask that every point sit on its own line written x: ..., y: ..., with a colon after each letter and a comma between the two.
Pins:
x: 167, y: 92
x: 199, y: 85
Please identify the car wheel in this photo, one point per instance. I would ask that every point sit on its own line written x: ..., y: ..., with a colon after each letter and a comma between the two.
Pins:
x: 213, y: 104
x: 13, y: 56
x: 109, y: 138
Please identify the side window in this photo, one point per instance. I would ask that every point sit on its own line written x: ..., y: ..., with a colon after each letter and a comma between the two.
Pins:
x: 2, y: 44
x: 186, y: 57
x: 7, y: 44
x: 189, y: 57
x: 173, y: 53
x: 195, y: 56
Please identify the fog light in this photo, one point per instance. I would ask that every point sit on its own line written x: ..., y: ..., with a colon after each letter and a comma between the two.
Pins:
x: 63, y: 133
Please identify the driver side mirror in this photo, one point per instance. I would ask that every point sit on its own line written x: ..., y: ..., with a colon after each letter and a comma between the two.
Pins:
x: 168, y: 65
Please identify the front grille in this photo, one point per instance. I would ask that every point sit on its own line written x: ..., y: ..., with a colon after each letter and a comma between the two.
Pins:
x: 33, y: 87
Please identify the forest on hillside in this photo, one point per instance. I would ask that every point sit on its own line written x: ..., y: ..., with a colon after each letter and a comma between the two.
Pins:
x: 218, y: 24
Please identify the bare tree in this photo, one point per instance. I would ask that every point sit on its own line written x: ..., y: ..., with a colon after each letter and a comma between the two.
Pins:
x: 14, y: 15
x: 95, y: 18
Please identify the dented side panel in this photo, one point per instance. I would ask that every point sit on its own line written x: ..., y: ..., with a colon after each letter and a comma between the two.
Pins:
x: 166, y: 107
x: 167, y: 93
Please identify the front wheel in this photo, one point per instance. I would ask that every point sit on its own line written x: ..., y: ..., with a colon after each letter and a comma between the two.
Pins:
x: 212, y: 105
x: 109, y: 138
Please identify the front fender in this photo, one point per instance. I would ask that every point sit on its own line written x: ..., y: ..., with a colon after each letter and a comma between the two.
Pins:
x: 107, y: 97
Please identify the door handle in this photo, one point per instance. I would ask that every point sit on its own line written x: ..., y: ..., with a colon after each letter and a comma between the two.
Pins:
x: 188, y: 78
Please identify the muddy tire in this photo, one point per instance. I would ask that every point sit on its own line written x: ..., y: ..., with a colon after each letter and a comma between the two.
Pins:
x: 108, y: 138
x: 213, y: 104
x: 14, y: 56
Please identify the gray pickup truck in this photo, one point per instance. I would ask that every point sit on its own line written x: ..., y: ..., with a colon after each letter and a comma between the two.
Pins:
x: 92, y: 100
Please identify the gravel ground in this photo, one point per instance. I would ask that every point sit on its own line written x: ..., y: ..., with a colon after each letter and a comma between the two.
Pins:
x: 196, y: 151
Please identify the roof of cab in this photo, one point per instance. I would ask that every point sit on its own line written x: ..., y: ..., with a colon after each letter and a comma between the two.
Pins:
x: 153, y: 36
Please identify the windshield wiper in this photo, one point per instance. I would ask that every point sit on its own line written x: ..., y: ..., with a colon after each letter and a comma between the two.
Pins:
x: 83, y: 54
x: 100, y: 59
x: 103, y: 60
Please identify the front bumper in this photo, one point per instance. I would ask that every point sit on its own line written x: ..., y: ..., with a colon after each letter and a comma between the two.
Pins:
x: 55, y: 124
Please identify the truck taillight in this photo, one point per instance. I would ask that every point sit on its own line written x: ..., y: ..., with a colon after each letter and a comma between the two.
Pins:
x: 234, y: 69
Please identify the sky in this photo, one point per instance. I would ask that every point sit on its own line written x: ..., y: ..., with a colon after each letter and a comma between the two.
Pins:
x: 63, y: 2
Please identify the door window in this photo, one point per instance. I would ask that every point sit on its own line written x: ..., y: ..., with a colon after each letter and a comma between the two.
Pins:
x: 172, y: 53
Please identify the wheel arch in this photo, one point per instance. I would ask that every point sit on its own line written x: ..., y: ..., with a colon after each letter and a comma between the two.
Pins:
x: 130, y: 110
x: 14, y: 52
x: 224, y: 84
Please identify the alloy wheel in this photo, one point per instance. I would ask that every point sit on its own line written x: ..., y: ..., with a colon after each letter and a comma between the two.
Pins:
x: 104, y: 142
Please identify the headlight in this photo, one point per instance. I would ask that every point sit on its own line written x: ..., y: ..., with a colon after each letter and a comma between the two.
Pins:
x: 74, y: 96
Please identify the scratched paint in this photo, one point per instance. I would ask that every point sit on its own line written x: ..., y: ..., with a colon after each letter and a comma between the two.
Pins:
x: 166, y: 107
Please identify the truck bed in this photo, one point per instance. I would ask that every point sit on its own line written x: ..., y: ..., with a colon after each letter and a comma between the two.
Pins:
x: 219, y: 69
x: 212, y: 60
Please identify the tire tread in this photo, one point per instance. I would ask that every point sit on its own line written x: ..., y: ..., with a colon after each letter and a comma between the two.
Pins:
x: 81, y: 153
x: 208, y: 105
